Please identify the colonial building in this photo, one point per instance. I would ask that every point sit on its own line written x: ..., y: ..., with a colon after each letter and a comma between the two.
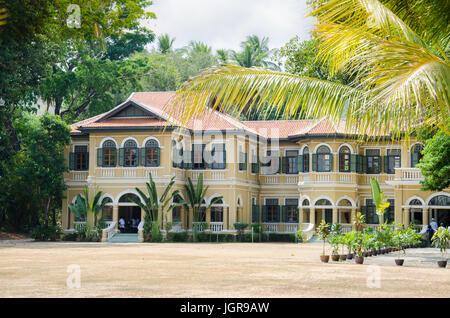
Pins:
x: 278, y: 173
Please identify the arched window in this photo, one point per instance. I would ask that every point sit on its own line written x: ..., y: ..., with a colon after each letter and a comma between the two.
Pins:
x: 344, y: 202
x: 440, y: 200
x: 130, y: 154
x: 323, y: 202
x: 176, y: 210
x: 305, y: 202
x: 107, y: 211
x: 344, y: 159
x: 126, y: 198
x: 305, y: 159
x: 415, y: 202
x: 107, y: 155
x: 217, y: 211
x: 416, y: 154
x: 151, y: 153
x: 322, y: 160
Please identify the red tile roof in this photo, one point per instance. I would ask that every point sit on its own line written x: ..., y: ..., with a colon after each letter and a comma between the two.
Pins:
x: 160, y: 104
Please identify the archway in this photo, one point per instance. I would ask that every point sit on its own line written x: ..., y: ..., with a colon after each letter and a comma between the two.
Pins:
x: 129, y: 213
x: 440, y: 209
x: 325, y: 211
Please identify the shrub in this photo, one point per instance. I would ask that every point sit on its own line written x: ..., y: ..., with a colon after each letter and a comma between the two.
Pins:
x: 178, y: 236
x: 70, y: 237
x: 247, y: 237
x: 240, y: 227
x: 279, y: 237
x: 46, y: 233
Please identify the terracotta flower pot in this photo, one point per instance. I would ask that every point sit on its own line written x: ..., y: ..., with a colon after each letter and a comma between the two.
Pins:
x: 359, y: 260
x: 349, y: 256
x: 399, y: 262
x: 325, y: 258
x: 343, y: 257
x: 442, y: 264
x: 335, y: 257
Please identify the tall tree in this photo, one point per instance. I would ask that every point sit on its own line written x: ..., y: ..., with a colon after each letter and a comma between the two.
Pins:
x: 254, y: 52
x: 165, y: 43
x: 398, y: 55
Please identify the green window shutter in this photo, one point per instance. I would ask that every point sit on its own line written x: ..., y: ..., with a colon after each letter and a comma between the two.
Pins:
x: 414, y: 159
x: 142, y: 157
x: 87, y: 160
x: 255, y: 213
x: 121, y: 156
x: 245, y: 160
x: 264, y: 213
x: 278, y: 213
x: 283, y: 164
x: 224, y: 156
x: 279, y: 165
x: 364, y: 164
x: 99, y: 157
x: 71, y: 160
x: 385, y: 164
x: 187, y: 159
x: 284, y: 211
x: 300, y: 163
x: 314, y: 162
x: 353, y: 160
x: 331, y: 162
x: 158, y: 156
x: 380, y: 165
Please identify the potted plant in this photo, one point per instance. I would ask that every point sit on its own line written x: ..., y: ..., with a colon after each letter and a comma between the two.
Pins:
x: 358, y: 239
x: 399, y: 239
x: 440, y: 239
x: 300, y: 236
x: 335, y: 240
x: 349, y: 242
x: 323, y: 231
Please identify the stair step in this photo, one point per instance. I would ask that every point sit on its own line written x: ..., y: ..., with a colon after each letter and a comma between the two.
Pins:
x: 124, y: 238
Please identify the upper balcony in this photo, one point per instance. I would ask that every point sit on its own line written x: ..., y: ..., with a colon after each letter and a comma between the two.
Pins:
x: 411, y: 176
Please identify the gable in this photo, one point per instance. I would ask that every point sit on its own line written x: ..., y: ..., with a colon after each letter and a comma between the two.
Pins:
x: 132, y: 111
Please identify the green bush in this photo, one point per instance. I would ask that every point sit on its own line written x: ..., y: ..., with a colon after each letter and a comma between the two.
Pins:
x: 247, y: 237
x: 47, y: 233
x: 278, y: 237
x: 70, y: 237
x: 178, y: 236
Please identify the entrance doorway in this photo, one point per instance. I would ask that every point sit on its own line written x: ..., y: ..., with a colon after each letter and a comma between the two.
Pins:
x: 132, y: 216
x: 442, y: 217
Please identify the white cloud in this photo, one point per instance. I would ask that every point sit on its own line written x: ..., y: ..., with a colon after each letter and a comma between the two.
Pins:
x: 226, y: 23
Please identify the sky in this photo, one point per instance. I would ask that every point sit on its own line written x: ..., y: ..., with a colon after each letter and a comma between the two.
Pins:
x: 224, y: 24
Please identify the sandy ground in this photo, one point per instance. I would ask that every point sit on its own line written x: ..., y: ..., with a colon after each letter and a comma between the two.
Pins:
x: 32, y: 269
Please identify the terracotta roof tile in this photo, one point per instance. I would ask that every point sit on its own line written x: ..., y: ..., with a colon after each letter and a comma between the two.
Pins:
x: 278, y: 128
x: 127, y: 122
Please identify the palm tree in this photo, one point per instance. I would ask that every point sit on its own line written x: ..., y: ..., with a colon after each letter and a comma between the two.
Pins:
x: 152, y: 204
x: 255, y: 52
x: 195, y: 198
x: 223, y: 56
x: 398, y: 52
x: 83, y: 207
x: 165, y: 43
x: 198, y: 47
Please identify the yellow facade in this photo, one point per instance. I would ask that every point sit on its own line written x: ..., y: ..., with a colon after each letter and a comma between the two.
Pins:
x: 331, y: 195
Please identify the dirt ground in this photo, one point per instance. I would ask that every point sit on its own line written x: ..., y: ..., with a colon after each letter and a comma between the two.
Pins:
x: 32, y: 269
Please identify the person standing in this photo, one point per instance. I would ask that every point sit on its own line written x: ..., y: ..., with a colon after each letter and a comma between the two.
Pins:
x: 434, y: 224
x: 122, y: 225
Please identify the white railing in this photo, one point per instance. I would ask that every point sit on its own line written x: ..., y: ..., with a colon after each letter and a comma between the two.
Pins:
x: 108, y: 172
x: 292, y: 180
x: 129, y: 172
x: 270, y: 179
x: 217, y: 175
x: 346, y: 228
x: 308, y: 230
x: 325, y: 177
x: 410, y: 173
x: 109, y: 232
x: 280, y: 227
x: 152, y: 171
x: 216, y: 226
x: 346, y: 178
x: 201, y: 226
x: 80, y: 176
